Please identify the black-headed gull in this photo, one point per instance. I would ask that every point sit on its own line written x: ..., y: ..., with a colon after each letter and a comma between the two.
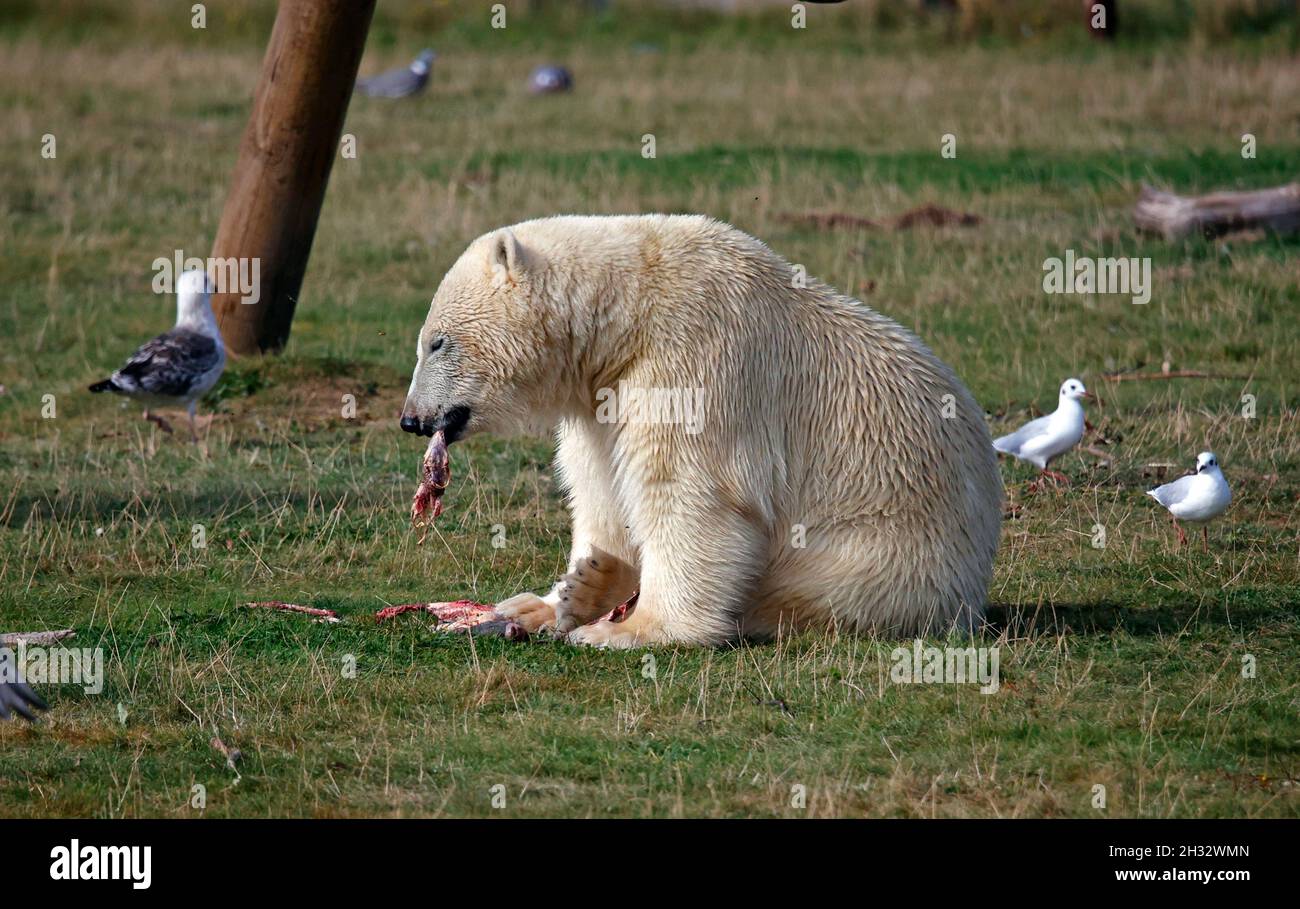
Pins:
x: 1041, y: 441
x: 1196, y: 498
x: 399, y: 83
x: 179, y: 366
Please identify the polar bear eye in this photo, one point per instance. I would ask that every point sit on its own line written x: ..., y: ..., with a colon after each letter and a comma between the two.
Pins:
x: 436, y: 345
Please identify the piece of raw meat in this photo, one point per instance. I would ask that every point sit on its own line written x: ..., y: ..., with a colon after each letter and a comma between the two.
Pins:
x: 623, y: 609
x: 461, y: 615
x: 435, y: 476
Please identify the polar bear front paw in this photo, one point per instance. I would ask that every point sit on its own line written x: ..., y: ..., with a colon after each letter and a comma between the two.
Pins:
x: 529, y: 610
x: 597, y: 583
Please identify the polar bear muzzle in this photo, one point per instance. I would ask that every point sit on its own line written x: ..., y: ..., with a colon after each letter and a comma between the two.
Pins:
x: 452, y: 424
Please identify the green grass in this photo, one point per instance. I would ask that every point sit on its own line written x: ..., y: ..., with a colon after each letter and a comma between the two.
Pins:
x: 1120, y: 667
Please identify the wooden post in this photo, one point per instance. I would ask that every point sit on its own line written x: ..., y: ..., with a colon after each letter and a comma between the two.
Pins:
x: 284, y: 163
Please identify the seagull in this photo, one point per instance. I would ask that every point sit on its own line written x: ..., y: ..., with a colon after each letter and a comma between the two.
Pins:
x: 15, y: 696
x: 1043, y: 440
x: 179, y: 366
x: 1196, y: 498
x: 399, y: 83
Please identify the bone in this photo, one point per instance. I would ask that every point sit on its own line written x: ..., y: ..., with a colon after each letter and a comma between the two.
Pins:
x: 322, y: 615
x: 389, y: 612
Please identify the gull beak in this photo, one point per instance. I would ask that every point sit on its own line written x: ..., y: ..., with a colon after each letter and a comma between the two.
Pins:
x: 1089, y: 396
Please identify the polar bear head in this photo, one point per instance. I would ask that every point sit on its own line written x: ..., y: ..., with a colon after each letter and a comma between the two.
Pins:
x: 487, y: 357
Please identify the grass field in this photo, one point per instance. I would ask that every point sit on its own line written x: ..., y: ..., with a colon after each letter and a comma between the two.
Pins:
x: 1121, y: 666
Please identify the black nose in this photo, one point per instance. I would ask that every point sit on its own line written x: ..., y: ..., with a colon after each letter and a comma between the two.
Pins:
x: 410, y: 424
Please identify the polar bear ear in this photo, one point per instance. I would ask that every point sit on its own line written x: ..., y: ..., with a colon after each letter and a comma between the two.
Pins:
x: 508, y: 257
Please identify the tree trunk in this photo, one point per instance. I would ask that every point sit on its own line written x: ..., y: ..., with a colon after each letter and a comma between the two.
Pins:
x: 1175, y: 217
x: 284, y: 164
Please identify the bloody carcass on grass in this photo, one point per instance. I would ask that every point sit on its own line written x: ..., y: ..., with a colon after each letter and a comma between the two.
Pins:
x: 461, y: 615
x: 435, y: 475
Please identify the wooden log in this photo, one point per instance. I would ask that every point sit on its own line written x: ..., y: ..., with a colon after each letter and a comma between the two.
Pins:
x: 284, y: 163
x: 35, y: 638
x: 1175, y: 217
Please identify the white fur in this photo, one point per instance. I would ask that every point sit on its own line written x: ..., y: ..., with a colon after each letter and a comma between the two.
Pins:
x: 820, y: 414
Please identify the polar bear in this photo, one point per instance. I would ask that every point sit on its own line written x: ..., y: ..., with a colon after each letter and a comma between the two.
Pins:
x: 743, y: 448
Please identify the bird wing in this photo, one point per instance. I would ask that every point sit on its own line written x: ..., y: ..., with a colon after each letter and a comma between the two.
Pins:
x: 1011, y: 444
x: 1173, y: 493
x: 169, y: 365
x: 15, y: 697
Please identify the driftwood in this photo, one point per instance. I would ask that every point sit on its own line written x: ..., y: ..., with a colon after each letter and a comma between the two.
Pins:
x: 1175, y: 217
x: 35, y: 638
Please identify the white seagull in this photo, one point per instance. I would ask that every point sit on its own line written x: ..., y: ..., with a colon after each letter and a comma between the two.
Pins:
x: 1041, y: 441
x: 179, y: 366
x: 1196, y: 498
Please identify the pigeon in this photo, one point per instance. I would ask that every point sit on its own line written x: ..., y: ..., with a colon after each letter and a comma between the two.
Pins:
x: 400, y: 83
x: 179, y: 366
x: 1043, y: 440
x: 1196, y: 498
x: 550, y: 79
x: 15, y: 696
